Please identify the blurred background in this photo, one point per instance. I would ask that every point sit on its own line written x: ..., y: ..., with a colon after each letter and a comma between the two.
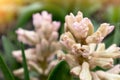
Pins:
x: 99, y: 11
x: 18, y: 13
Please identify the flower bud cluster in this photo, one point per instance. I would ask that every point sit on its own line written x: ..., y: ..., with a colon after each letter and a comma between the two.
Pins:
x: 85, y: 50
x: 44, y: 41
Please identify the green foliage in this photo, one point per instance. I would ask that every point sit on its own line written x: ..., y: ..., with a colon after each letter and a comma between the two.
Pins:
x: 8, y: 48
x: 87, y: 6
x: 113, y: 14
x: 117, y: 35
x: 61, y: 72
x: 26, y: 73
x: 27, y: 12
x: 6, y: 72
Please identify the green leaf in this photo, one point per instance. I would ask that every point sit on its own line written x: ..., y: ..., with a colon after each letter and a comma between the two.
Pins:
x: 7, y: 45
x: 117, y: 40
x: 8, y: 48
x: 61, y: 72
x: 113, y: 14
x: 117, y: 35
x: 27, y: 12
x: 6, y: 72
x: 26, y: 73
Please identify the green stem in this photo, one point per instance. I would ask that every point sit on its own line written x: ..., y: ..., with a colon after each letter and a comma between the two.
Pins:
x: 26, y: 73
x: 7, y: 74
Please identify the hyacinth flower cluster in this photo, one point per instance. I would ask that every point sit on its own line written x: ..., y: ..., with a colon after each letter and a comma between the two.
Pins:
x: 85, y: 50
x: 44, y: 43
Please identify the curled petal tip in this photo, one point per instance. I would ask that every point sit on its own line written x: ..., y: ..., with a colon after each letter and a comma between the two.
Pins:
x: 19, y: 31
x: 110, y: 29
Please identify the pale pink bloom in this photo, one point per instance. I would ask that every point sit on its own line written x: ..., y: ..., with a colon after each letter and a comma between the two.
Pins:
x: 46, y: 16
x: 56, y: 25
x: 27, y: 37
x: 40, y: 19
x: 37, y: 19
x: 84, y: 48
x: 44, y: 41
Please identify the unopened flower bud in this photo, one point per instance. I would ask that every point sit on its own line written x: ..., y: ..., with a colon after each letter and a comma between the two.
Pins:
x: 92, y: 47
x: 99, y: 35
x: 108, y: 76
x: 70, y: 19
x: 46, y: 16
x: 113, y: 49
x: 115, y: 69
x: 85, y: 72
x: 29, y: 53
x: 37, y: 19
x: 54, y: 36
x: 18, y: 72
x: 95, y: 76
x: 35, y: 66
x: 95, y: 38
x: 17, y: 55
x: 71, y: 60
x: 100, y: 47
x: 44, y: 45
x: 60, y: 55
x: 27, y: 37
x: 67, y: 40
x: 56, y: 25
x: 75, y: 70
x: 105, y: 29
x: 81, y: 28
x: 40, y: 20
x: 79, y: 16
x: 102, y: 62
